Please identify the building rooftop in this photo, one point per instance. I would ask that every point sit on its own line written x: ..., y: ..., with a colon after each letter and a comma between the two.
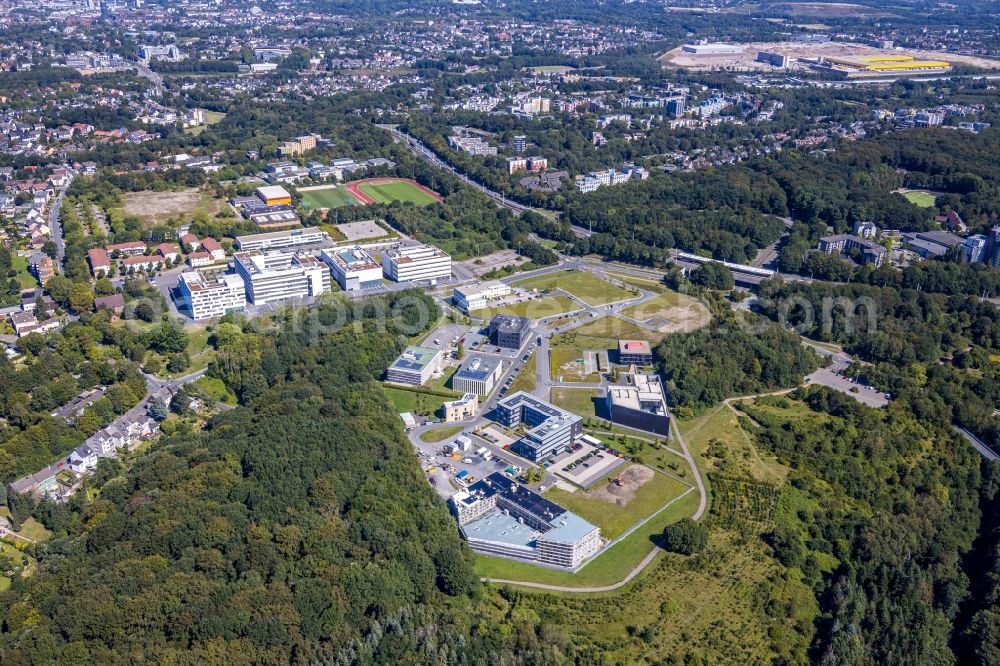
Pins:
x: 273, y: 192
x: 352, y: 259
x: 509, y: 323
x: 473, y: 290
x: 641, y: 392
x: 415, y: 358
x: 634, y: 347
x: 477, y: 368
x: 413, y: 253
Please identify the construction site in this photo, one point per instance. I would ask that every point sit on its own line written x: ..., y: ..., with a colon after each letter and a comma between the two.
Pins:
x: 840, y: 60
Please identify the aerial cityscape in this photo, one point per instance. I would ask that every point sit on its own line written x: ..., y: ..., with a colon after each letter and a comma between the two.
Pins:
x: 472, y: 332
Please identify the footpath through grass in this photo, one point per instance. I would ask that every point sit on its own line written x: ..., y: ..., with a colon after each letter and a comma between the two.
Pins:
x: 586, y: 286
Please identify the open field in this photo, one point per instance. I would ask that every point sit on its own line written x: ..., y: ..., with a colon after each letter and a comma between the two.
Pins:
x: 216, y: 390
x: 440, y: 434
x: 745, y: 61
x: 526, y: 379
x: 603, y: 333
x: 552, y: 69
x: 154, y: 208
x: 538, y: 308
x: 423, y: 404
x: 585, y: 286
x: 211, y: 118
x: 567, y: 365
x: 670, y: 312
x: 582, y: 401
x: 614, y: 509
x: 323, y: 197
x: 388, y: 190
x: 609, y: 567
x: 922, y: 198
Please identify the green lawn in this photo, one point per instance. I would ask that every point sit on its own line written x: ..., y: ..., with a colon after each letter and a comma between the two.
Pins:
x: 921, y: 198
x: 442, y: 382
x: 526, y: 379
x: 614, y: 520
x: 34, y: 530
x: 539, y: 308
x: 24, y: 278
x: 609, y: 567
x: 402, y: 191
x: 649, y: 284
x: 548, y: 69
x: 577, y: 400
x: 603, y: 333
x: 585, y: 286
x: 332, y: 196
x: 211, y: 118
x: 440, y: 434
x: 216, y: 390
x: 423, y: 404
x: 682, y: 312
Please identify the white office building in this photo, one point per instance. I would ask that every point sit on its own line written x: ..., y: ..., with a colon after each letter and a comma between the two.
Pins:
x: 277, y: 276
x: 277, y: 240
x: 212, y: 297
x: 415, y: 366
x: 416, y: 263
x: 471, y: 297
x: 353, y: 268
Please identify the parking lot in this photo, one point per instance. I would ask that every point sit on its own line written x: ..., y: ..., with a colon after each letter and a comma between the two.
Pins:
x: 863, y: 394
x: 589, y: 464
x: 442, y: 336
x: 443, y: 469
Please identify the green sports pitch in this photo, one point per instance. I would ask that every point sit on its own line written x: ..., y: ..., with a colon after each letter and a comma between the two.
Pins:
x: 334, y: 196
x: 402, y: 191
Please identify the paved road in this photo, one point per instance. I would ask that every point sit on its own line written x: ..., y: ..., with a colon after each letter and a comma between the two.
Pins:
x: 978, y: 444
x: 56, y: 227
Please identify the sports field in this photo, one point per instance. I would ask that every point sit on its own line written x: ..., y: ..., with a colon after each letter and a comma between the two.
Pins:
x: 586, y: 286
x: 326, y: 196
x: 921, y: 198
x: 401, y: 191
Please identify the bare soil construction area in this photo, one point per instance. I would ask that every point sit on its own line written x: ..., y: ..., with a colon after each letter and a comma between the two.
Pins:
x: 633, y: 478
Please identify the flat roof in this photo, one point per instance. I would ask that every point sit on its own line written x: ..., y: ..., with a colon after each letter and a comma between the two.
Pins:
x: 634, y: 347
x: 275, y: 235
x: 499, y: 527
x: 414, y: 253
x: 509, y: 323
x: 273, y: 192
x: 473, y: 290
x: 415, y: 358
x: 477, y: 367
x: 352, y: 258
x: 641, y: 389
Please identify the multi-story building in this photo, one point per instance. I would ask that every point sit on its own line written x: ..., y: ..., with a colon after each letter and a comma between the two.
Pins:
x: 44, y: 269
x: 415, y: 366
x: 865, y: 229
x: 100, y: 263
x: 128, y: 249
x: 416, y: 263
x: 640, y: 403
x: 773, y: 59
x: 508, y: 331
x: 212, y: 297
x: 462, y: 409
x: 675, y: 107
x: 634, y: 352
x: 301, y: 144
x: 871, y: 252
x: 974, y: 249
x: 471, y: 297
x: 515, y: 164
x: 498, y: 516
x: 471, y: 145
x: 277, y: 276
x: 274, y: 195
x: 170, y: 52
x: 278, y: 240
x: 353, y: 268
x: 478, y: 374
x: 552, y: 429
x: 520, y: 143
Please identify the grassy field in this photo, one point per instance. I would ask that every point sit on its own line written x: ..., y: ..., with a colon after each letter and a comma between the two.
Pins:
x: 577, y: 400
x: 34, y: 530
x: 609, y: 567
x: 586, y: 286
x: 211, y: 118
x: 526, y: 379
x: 538, y: 308
x: 552, y: 69
x: 614, y: 520
x: 921, y: 198
x: 390, y: 192
x: 25, y: 279
x: 440, y: 434
x: 568, y: 364
x: 331, y: 196
x: 423, y: 404
x: 681, y: 312
x: 603, y: 333
x: 643, y: 283
x: 153, y: 208
x: 216, y: 390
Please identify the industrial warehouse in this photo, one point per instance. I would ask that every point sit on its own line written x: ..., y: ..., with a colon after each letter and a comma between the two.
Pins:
x: 499, y: 516
x: 853, y: 67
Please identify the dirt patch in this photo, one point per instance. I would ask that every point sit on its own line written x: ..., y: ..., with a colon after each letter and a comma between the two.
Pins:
x: 633, y: 478
x: 158, y: 207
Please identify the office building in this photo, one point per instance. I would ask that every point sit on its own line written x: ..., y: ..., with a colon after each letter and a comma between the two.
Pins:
x: 416, y: 263
x: 778, y: 60
x: 675, y: 107
x: 640, y: 403
x: 169, y: 52
x: 462, y: 409
x: 277, y: 276
x: 865, y: 229
x: 353, y: 268
x: 552, y: 429
x: 508, y: 331
x: 870, y: 252
x: 278, y: 240
x: 974, y: 249
x: 274, y: 195
x: 634, y: 352
x: 212, y: 297
x: 471, y: 297
x: 478, y: 374
x: 415, y: 366
x: 498, y: 516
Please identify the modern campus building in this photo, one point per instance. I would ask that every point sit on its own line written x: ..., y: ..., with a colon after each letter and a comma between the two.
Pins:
x: 552, y: 429
x: 415, y: 366
x: 499, y: 516
x: 779, y: 60
x: 479, y: 374
x: 462, y: 409
x: 279, y: 240
x: 508, y: 331
x: 353, y: 268
x: 416, y: 263
x: 274, y: 195
x: 639, y: 403
x: 278, y: 276
x: 712, y: 49
x: 471, y: 297
x: 634, y: 352
x: 213, y: 297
